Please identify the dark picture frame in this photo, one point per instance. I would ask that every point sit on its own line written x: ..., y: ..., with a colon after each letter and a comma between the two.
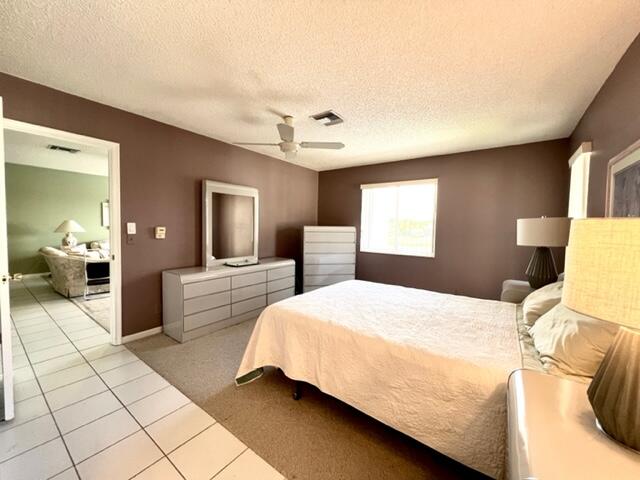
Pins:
x: 623, y: 183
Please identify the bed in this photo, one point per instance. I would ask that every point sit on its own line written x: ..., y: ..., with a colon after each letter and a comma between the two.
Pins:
x: 431, y: 365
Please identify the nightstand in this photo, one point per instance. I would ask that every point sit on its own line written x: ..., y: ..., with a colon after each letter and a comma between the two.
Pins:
x: 515, y: 291
x: 552, y: 433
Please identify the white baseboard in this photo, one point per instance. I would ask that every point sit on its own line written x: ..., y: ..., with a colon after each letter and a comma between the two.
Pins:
x: 143, y: 334
x: 34, y: 275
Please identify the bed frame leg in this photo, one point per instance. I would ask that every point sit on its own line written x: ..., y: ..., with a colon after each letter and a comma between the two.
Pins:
x: 297, y: 391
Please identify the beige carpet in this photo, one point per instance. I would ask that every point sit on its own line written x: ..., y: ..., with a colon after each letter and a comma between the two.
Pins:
x: 317, y: 437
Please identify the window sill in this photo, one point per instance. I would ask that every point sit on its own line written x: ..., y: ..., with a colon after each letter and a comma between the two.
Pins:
x: 377, y: 252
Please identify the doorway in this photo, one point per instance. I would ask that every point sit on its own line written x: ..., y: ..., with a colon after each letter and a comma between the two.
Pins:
x: 38, y: 316
x: 85, y: 171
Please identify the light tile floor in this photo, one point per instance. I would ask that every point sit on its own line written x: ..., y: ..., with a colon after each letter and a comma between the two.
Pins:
x: 87, y: 409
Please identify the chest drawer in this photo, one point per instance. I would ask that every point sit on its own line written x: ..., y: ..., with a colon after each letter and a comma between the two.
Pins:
x: 321, y: 280
x: 328, y: 258
x: 206, y: 302
x: 207, y: 287
x: 281, y: 284
x: 277, y: 273
x: 330, y: 247
x: 248, y: 279
x: 330, y: 269
x: 243, y: 293
x: 328, y: 236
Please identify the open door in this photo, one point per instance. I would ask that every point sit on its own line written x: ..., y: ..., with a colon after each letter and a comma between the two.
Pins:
x: 6, y: 408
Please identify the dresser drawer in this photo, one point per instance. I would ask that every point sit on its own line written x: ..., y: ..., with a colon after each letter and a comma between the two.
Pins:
x: 207, y: 317
x: 243, y: 293
x: 248, y: 305
x: 206, y: 302
x: 277, y: 273
x: 281, y: 284
x: 248, y: 279
x: 206, y: 287
x: 280, y: 295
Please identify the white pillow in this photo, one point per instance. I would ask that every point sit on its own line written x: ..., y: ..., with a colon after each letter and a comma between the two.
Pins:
x: 571, y: 343
x: 540, y: 302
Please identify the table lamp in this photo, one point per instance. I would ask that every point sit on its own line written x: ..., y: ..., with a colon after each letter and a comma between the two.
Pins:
x: 602, y: 280
x: 542, y: 233
x: 69, y: 227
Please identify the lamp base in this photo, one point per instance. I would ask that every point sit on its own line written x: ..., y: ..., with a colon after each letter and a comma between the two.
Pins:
x: 614, y: 392
x: 69, y: 240
x: 542, y: 268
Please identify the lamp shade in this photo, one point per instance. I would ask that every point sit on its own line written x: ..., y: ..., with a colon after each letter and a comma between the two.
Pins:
x: 69, y: 226
x: 543, y: 232
x: 602, y: 270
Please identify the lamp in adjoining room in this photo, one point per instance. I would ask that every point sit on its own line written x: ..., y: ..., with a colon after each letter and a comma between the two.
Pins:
x: 602, y: 280
x: 542, y: 233
x: 69, y: 227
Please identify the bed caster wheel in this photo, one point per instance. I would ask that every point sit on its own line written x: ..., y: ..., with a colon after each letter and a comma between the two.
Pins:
x: 296, y: 396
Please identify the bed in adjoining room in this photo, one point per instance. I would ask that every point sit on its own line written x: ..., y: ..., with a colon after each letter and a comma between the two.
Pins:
x: 431, y: 365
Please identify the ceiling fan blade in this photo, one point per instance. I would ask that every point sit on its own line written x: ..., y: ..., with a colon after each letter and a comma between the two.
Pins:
x: 329, y: 145
x: 265, y: 144
x: 290, y: 155
x: 286, y: 132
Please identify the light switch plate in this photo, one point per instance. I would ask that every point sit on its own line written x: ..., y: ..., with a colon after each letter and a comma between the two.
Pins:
x: 131, y: 228
x: 160, y: 233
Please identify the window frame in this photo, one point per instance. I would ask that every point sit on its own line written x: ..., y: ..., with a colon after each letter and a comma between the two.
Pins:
x: 581, y: 157
x: 423, y: 181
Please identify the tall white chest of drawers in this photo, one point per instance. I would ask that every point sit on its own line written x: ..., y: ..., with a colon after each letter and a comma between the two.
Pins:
x: 200, y: 300
x: 329, y: 255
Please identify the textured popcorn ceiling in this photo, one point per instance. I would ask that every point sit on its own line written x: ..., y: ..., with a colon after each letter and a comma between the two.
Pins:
x: 411, y: 78
x: 28, y: 149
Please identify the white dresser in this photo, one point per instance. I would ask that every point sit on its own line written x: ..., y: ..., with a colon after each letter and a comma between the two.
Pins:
x: 553, y: 434
x: 201, y: 300
x: 329, y: 255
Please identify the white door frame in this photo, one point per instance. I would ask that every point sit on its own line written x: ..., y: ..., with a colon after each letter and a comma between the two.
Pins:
x: 113, y: 152
x: 5, y: 324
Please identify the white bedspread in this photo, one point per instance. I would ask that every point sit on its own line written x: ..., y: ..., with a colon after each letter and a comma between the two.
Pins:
x: 430, y: 365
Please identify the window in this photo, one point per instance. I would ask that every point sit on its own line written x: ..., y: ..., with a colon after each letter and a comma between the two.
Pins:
x: 579, y: 187
x: 399, y: 218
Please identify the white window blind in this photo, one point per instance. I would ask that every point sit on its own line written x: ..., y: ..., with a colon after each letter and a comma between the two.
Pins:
x: 399, y: 218
x: 579, y: 186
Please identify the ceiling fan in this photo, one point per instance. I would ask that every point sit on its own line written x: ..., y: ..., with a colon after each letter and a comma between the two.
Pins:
x: 288, y: 146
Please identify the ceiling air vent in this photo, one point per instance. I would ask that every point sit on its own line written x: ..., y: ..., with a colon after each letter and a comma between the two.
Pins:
x: 62, y: 149
x: 328, y: 118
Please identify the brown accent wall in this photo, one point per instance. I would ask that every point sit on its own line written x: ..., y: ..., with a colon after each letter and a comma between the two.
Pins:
x: 481, y: 194
x: 161, y: 170
x: 612, y: 123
